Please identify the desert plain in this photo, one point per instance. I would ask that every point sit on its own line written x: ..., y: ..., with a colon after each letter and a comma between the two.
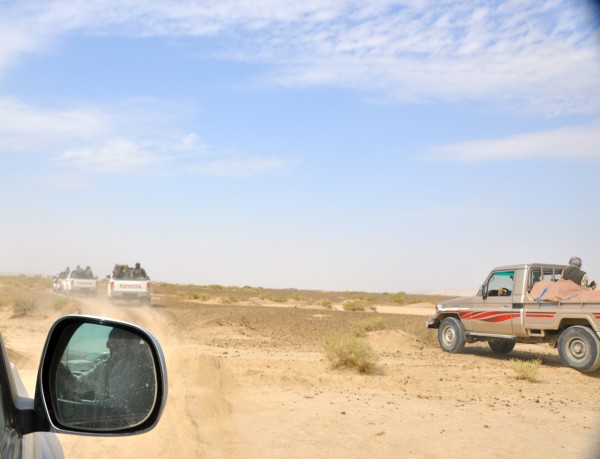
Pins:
x: 249, y: 378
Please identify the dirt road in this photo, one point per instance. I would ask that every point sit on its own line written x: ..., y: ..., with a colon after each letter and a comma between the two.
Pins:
x: 252, y: 382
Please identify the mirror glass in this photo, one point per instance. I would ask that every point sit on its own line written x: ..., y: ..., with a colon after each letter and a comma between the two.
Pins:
x: 104, y: 378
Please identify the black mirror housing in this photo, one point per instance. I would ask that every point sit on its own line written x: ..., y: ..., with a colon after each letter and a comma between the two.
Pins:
x: 99, y: 377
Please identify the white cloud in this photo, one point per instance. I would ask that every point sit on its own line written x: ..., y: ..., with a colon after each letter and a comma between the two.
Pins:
x: 572, y: 143
x: 25, y: 127
x: 540, y: 56
x: 77, y: 138
x: 173, y: 157
x: 117, y: 156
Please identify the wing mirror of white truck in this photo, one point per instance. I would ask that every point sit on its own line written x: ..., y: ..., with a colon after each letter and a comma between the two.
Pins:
x: 100, y: 376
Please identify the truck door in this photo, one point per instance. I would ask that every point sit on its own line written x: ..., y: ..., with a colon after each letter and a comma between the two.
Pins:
x: 493, y: 307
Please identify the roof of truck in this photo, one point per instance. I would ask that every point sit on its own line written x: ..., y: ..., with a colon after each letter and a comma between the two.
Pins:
x: 527, y: 265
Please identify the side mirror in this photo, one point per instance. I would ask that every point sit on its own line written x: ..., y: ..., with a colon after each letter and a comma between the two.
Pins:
x: 484, y: 291
x: 101, y: 377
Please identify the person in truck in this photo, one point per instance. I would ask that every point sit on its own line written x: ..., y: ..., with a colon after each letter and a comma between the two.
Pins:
x: 127, y: 374
x: 574, y: 273
x: 139, y: 272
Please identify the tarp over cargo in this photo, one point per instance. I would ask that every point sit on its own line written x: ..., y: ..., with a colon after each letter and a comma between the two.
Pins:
x: 565, y: 291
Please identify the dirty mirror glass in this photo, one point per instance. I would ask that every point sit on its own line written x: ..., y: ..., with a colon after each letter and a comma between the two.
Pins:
x: 104, y: 379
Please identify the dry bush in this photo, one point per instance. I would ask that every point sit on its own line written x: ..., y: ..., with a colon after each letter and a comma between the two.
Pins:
x: 526, y: 369
x: 200, y: 296
x: 399, y: 297
x: 350, y: 351
x: 297, y: 297
x: 274, y: 299
x: 325, y: 303
x: 23, y: 306
x: 353, y: 305
x: 360, y: 329
x: 230, y: 299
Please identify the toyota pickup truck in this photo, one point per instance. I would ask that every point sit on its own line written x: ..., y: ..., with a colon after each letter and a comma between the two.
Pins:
x: 128, y: 287
x: 527, y: 303
x: 80, y: 282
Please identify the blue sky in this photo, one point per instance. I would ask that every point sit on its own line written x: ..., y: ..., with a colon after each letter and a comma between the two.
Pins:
x: 338, y: 145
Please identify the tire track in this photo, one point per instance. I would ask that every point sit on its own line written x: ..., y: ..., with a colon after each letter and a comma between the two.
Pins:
x: 197, y: 419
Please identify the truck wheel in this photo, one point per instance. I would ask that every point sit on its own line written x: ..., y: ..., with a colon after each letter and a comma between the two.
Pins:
x: 579, y: 348
x: 451, y: 335
x: 501, y: 346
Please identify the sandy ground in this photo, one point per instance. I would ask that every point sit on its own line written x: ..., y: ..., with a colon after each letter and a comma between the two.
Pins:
x: 253, y: 382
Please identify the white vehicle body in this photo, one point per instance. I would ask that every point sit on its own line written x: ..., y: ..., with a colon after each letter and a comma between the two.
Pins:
x: 77, y: 283
x: 129, y: 290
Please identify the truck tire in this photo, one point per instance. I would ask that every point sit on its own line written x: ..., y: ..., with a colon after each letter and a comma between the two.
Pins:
x: 579, y: 348
x: 451, y: 335
x: 501, y: 346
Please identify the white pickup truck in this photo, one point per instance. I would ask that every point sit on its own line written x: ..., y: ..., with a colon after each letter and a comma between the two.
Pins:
x: 78, y: 281
x: 126, y: 286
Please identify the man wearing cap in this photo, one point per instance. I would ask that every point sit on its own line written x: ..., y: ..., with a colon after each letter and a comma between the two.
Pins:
x: 574, y: 273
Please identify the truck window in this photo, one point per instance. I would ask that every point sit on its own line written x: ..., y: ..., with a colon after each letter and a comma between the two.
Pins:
x: 500, y: 283
x: 534, y: 276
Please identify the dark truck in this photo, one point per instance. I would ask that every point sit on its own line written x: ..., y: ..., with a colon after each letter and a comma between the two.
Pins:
x: 527, y: 303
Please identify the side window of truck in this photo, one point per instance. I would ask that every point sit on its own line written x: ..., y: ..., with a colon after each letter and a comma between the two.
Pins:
x: 534, y: 276
x: 500, y: 283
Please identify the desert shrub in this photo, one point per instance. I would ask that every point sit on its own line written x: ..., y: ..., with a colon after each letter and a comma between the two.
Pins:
x: 215, y: 287
x: 399, y: 297
x: 229, y: 299
x: 277, y: 299
x: 362, y: 297
x: 297, y: 297
x: 200, y: 296
x: 273, y: 298
x: 350, y: 351
x: 353, y: 305
x: 526, y: 369
x: 325, y: 303
x: 361, y: 328
x: 23, y: 306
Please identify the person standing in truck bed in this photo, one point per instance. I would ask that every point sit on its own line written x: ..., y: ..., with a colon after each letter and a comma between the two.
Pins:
x: 574, y: 273
x: 139, y: 272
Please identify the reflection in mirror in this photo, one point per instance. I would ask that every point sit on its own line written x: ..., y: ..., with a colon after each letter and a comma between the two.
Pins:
x: 105, y: 378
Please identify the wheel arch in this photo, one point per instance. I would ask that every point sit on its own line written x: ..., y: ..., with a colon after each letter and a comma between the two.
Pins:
x: 441, y: 317
x: 572, y: 321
